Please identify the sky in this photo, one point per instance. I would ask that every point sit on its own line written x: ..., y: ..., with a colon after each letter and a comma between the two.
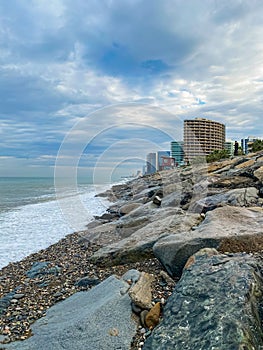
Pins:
x: 88, y: 85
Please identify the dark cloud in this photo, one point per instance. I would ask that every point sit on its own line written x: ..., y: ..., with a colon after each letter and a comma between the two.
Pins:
x: 61, y: 60
x: 23, y: 92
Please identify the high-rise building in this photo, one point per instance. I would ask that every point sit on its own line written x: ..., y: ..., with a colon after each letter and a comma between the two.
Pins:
x: 159, y: 158
x: 177, y: 151
x: 154, y: 161
x: 230, y: 147
x: 202, y: 137
x: 246, y: 144
x: 151, y: 164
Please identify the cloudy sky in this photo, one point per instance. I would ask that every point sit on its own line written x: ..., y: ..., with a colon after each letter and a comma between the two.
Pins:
x: 98, y: 84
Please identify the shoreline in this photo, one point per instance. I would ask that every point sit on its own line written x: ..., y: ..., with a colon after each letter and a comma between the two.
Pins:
x: 156, y: 224
x: 68, y: 263
x: 30, y: 227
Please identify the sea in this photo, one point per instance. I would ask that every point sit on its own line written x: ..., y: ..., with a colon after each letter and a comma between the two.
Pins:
x: 35, y: 213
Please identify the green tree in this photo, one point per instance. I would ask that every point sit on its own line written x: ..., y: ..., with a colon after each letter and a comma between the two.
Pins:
x: 217, y: 155
x: 257, y: 146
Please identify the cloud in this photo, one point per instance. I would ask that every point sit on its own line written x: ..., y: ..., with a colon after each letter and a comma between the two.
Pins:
x: 62, y: 62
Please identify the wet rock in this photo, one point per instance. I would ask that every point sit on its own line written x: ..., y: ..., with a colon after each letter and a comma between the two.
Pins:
x: 106, y: 217
x: 226, y: 229
x: 215, y: 305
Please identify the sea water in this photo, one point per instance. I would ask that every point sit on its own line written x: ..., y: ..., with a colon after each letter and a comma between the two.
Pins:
x: 32, y: 217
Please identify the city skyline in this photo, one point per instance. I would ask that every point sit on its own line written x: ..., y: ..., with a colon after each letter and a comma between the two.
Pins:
x: 112, y: 72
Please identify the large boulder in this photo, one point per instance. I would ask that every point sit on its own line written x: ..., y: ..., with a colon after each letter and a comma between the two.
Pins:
x: 231, y: 229
x: 259, y: 174
x: 215, y: 305
x: 127, y: 208
x: 111, y: 232
x: 138, y: 246
x: 242, y: 197
x: 100, y: 319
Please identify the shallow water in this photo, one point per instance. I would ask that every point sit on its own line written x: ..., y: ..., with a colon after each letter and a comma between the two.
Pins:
x: 31, y: 217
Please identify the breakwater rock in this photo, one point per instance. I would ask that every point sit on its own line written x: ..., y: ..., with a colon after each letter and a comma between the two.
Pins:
x: 99, y: 319
x: 158, y: 222
x: 217, y: 304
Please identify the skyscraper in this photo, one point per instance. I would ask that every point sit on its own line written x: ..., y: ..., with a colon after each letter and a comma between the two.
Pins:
x: 151, y: 163
x: 202, y: 137
x: 177, y: 151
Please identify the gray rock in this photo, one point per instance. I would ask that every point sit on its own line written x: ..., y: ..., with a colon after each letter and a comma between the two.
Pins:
x: 2, y: 338
x: 41, y: 268
x: 127, y: 208
x: 18, y: 296
x: 102, y: 234
x: 100, y: 319
x: 6, y: 300
x: 242, y: 197
x: 87, y: 281
x: 157, y: 200
x: 215, y: 305
x: 139, y: 245
x: 132, y: 275
x: 38, y: 268
x: 172, y: 200
x: 227, y: 229
x: 259, y: 173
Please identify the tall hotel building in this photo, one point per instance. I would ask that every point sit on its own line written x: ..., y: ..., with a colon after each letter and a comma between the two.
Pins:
x: 202, y: 137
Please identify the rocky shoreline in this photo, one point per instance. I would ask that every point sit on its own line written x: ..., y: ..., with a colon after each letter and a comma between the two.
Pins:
x: 156, y: 226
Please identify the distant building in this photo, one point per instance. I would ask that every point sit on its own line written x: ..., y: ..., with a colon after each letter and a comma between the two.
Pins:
x: 236, y: 146
x: 177, y: 152
x: 246, y: 144
x: 154, y: 161
x: 230, y: 147
x: 160, y: 155
x: 167, y: 163
x: 151, y: 164
x: 202, y: 137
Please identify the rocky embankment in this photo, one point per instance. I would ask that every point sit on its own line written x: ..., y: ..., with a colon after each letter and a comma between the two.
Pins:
x: 201, y: 225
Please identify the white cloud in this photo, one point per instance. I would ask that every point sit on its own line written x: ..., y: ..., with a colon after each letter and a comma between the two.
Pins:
x: 62, y: 64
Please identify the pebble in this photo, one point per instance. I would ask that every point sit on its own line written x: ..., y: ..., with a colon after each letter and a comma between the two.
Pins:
x: 142, y: 317
x: 136, y: 309
x: 19, y: 296
x: 36, y: 295
x: 152, y: 317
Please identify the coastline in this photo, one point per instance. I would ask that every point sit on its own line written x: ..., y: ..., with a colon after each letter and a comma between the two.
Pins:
x: 145, y: 216
x: 69, y: 262
x: 39, y: 218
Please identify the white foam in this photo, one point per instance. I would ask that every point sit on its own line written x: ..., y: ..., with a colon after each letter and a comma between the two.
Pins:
x: 36, y: 226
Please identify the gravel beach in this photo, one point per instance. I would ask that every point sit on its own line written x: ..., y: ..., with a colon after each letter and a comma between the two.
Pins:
x: 68, y: 264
